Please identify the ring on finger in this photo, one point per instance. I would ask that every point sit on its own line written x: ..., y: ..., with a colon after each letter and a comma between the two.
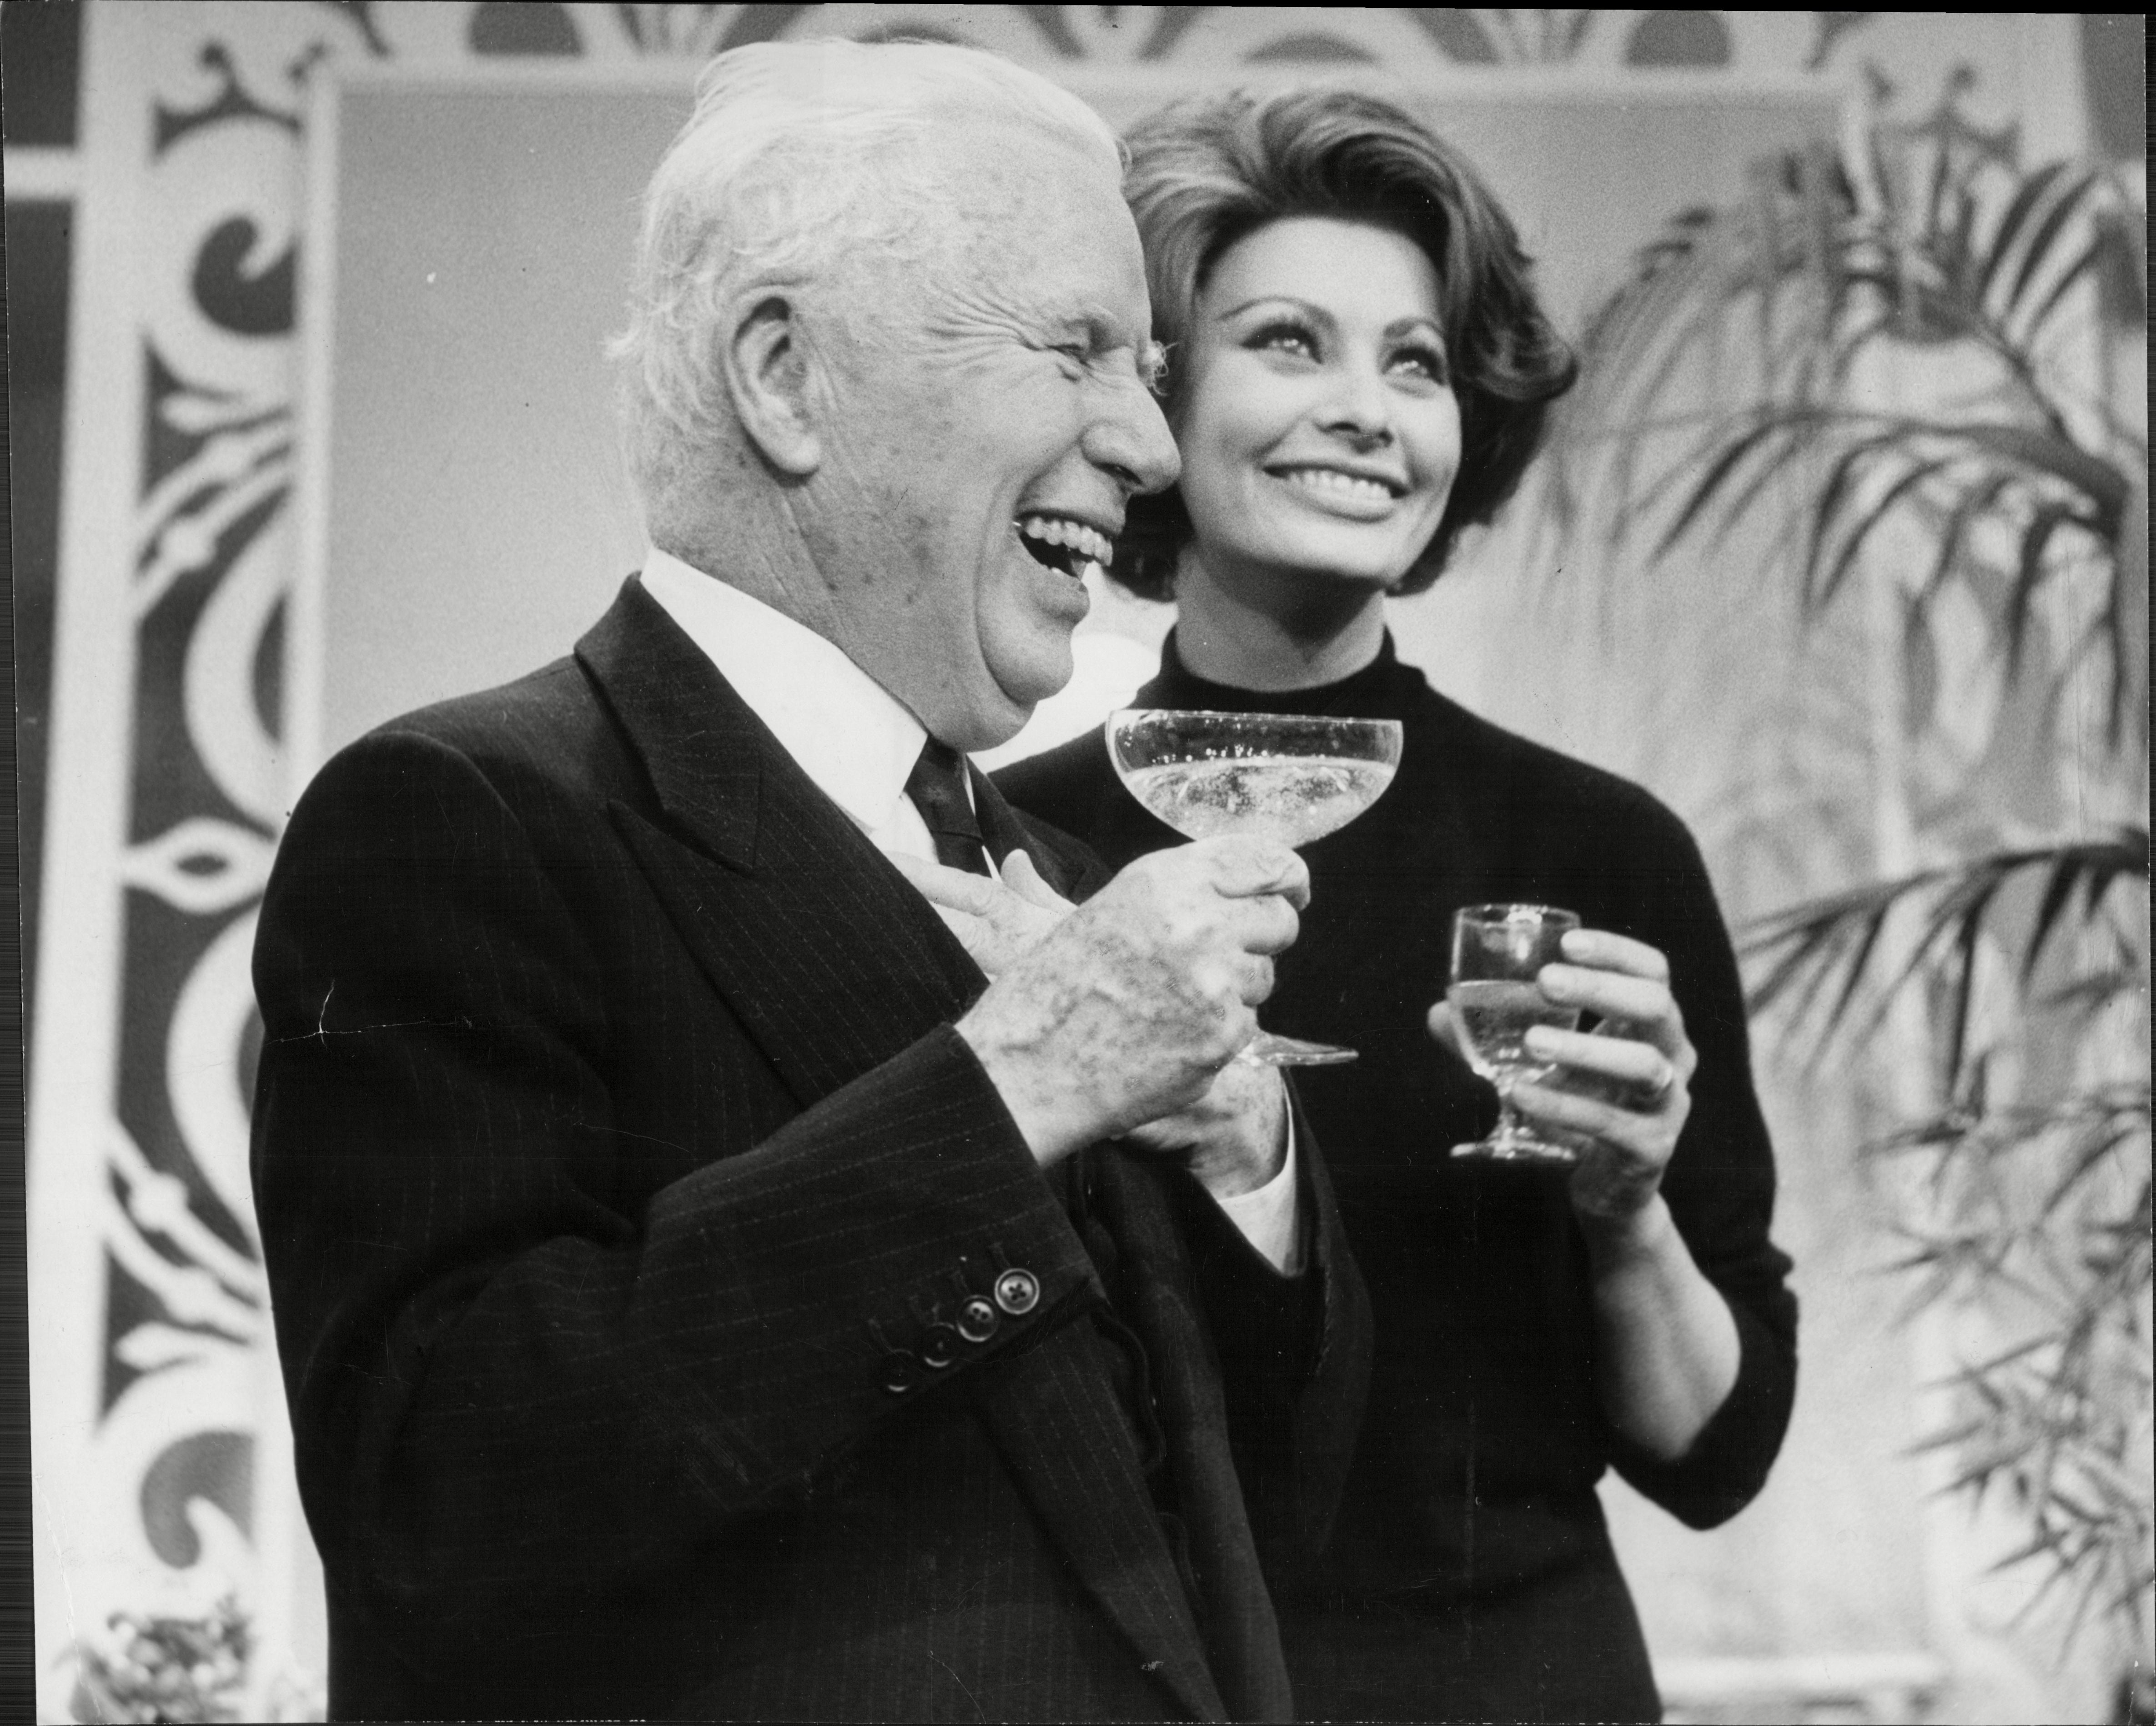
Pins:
x: 1653, y: 1095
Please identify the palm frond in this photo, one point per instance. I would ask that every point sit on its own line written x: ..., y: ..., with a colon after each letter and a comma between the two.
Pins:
x: 1862, y: 358
x: 1827, y: 945
x: 1806, y: 278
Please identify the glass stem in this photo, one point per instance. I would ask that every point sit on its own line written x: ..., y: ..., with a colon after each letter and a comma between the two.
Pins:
x: 1510, y: 1126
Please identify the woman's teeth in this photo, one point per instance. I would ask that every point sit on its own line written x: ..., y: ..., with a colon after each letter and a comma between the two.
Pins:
x: 1085, y: 550
x: 1339, y: 483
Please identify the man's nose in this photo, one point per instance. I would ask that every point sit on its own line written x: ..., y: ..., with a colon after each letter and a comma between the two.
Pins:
x: 1131, y: 439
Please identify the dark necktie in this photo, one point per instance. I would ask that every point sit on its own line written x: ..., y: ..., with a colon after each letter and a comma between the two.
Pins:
x: 938, y: 786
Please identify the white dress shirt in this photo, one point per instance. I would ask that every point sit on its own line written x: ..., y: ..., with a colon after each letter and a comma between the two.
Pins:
x: 855, y: 740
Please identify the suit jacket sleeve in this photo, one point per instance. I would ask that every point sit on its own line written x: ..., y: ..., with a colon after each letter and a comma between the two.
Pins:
x: 506, y: 1374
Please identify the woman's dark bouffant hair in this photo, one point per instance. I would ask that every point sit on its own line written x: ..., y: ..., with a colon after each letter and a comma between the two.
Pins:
x: 1205, y: 173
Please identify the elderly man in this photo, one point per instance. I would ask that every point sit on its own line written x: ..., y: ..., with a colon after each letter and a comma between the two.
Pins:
x: 705, y: 1282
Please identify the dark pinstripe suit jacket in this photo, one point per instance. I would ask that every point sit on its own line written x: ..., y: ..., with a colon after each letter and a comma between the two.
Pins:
x: 611, y: 1140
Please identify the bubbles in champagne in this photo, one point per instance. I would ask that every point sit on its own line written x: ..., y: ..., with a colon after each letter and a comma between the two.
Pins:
x: 1293, y: 799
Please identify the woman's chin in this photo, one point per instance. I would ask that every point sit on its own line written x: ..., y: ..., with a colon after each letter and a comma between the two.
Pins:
x: 1331, y: 566
x: 1348, y: 553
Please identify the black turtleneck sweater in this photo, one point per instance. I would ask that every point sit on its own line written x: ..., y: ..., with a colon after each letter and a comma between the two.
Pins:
x: 1484, y: 1436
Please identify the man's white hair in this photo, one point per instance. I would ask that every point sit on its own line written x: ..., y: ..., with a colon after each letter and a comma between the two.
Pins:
x: 801, y: 158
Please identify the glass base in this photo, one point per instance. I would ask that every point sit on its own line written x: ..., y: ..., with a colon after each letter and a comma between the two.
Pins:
x: 1267, y: 1050
x: 1517, y: 1147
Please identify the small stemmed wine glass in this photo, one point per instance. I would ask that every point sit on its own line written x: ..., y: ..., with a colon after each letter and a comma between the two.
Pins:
x: 1288, y: 777
x: 1498, y: 952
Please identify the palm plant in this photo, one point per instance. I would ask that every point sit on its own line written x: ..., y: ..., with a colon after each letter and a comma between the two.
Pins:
x: 1901, y: 373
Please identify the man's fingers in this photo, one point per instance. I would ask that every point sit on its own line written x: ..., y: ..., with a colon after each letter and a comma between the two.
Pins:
x: 1270, y: 924
x: 1256, y: 978
x: 964, y: 925
x: 1023, y: 880
x: 1243, y: 868
x: 942, y: 885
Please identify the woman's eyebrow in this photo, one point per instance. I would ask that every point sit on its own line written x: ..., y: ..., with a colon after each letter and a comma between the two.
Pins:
x: 1420, y: 321
x: 1303, y: 306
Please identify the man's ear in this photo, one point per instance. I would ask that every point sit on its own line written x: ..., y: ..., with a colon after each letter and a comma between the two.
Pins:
x: 770, y: 376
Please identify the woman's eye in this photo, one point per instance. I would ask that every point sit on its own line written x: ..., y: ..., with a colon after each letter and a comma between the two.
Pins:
x: 1423, y: 362
x: 1285, y: 339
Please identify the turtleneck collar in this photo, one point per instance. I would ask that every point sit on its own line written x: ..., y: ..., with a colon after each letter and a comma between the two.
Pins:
x: 1371, y: 692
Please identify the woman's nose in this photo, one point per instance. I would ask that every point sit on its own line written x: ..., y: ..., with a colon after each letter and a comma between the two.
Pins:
x: 1358, y: 409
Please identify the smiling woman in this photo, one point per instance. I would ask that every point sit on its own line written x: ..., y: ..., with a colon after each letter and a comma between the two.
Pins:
x: 1321, y: 431
x: 1337, y: 168
x: 1361, y: 372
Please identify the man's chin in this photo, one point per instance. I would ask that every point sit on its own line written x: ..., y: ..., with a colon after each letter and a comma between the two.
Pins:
x: 999, y: 715
x: 988, y: 739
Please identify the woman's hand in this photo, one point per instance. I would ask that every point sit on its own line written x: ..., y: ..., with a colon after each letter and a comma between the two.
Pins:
x: 1622, y: 1091
x: 1667, y: 1347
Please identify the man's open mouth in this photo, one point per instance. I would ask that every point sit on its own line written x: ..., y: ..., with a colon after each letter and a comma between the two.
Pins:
x: 1066, y: 545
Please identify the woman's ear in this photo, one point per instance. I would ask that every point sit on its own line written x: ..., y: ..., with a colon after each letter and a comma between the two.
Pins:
x: 768, y: 372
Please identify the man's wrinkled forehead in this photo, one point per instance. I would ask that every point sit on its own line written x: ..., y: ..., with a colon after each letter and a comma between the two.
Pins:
x: 1024, y: 287
x: 1002, y: 178
x: 1041, y: 209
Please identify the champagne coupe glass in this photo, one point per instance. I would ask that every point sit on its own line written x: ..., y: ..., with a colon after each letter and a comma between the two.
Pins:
x: 1285, y: 776
x: 1497, y: 951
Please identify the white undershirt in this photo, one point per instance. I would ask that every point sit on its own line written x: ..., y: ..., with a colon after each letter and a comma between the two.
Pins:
x: 858, y: 743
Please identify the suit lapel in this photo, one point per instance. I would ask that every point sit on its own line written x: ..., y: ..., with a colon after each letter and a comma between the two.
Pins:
x: 830, y: 960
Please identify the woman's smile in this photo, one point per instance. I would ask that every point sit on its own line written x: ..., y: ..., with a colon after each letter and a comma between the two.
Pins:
x: 1321, y: 435
x: 1342, y: 491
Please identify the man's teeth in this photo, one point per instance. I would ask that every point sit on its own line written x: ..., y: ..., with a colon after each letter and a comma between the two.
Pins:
x: 1088, y: 545
x: 1332, y: 480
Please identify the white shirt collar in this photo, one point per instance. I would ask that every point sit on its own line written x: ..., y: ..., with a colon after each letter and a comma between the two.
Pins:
x: 850, y: 734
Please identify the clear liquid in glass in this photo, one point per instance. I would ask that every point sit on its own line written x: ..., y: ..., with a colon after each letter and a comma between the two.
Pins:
x: 1289, y: 778
x: 1495, y: 1018
x: 1498, y: 951
x: 1294, y: 799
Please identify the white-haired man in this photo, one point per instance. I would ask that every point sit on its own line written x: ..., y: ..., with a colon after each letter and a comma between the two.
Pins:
x: 705, y: 1280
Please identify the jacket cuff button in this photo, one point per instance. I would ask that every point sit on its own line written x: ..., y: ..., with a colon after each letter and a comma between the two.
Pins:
x: 939, y: 1347
x: 977, y: 1319
x: 900, y: 1372
x: 1018, y: 1291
